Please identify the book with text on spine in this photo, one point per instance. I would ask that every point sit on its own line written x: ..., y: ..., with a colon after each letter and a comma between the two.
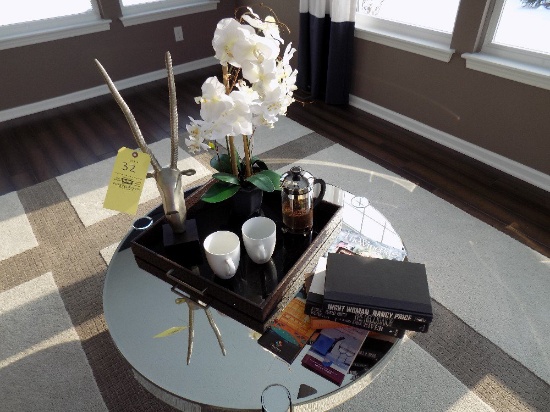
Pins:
x: 314, y: 303
x: 377, y: 326
x: 381, y: 288
x: 321, y: 323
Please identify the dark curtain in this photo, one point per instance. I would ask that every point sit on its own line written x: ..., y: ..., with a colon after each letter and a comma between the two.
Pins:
x: 325, y: 49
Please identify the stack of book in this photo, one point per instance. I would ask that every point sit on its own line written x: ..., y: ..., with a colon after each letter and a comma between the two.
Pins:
x: 380, y: 295
x: 362, y: 297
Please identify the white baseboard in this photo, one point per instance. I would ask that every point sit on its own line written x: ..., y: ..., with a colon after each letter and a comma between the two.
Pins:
x: 497, y: 161
x: 52, y: 103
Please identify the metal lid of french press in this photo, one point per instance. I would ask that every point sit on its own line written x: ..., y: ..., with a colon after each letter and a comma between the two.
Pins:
x: 297, y: 181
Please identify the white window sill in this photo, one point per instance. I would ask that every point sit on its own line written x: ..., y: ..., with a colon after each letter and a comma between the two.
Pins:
x: 509, y: 69
x: 139, y: 17
x: 42, y: 35
x: 407, y: 43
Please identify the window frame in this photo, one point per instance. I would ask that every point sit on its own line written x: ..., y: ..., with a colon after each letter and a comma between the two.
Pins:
x: 415, y: 39
x: 512, y: 63
x: 39, y: 31
x: 163, y: 9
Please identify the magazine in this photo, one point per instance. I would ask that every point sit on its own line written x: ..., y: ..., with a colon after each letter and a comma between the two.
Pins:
x: 359, y: 244
x: 333, y: 352
x: 290, y: 331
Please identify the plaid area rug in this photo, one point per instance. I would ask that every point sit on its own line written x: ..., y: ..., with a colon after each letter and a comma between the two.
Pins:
x: 485, y: 351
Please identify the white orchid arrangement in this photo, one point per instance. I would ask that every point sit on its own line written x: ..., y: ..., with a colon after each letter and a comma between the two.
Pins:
x: 257, y: 87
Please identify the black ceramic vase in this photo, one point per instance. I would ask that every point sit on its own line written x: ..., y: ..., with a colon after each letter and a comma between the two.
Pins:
x: 246, y: 203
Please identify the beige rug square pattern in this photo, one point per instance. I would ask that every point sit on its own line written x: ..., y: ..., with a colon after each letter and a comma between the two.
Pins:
x: 40, y: 348
x: 42, y: 364
x: 16, y: 233
x: 86, y: 188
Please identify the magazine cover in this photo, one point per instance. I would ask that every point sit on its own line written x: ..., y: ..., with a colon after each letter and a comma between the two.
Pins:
x: 290, y: 331
x: 333, y: 352
x: 355, y: 242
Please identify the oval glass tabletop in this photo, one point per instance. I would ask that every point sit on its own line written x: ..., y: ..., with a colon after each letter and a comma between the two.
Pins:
x: 228, y: 369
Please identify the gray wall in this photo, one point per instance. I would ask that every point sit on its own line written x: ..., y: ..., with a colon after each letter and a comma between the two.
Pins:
x: 500, y: 115
x: 503, y: 116
x: 43, y: 71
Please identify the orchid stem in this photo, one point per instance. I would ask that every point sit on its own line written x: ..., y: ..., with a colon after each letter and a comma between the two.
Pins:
x: 246, y: 144
x: 225, y: 73
x: 230, y: 139
x: 232, y: 156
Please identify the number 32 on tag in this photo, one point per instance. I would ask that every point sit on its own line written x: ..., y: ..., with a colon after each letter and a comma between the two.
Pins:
x: 127, y: 180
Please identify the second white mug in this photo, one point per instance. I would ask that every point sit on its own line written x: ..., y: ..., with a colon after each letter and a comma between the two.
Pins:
x: 259, y: 238
x: 223, y: 252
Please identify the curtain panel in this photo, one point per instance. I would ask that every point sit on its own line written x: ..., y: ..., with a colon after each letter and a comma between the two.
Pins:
x: 325, y: 49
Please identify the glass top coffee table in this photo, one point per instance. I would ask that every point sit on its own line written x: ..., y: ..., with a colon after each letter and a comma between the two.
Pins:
x: 138, y: 306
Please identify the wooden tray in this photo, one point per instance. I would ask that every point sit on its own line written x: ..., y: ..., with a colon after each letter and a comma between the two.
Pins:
x: 257, y: 293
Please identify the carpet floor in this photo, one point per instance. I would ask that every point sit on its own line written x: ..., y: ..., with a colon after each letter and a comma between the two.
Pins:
x: 486, y: 350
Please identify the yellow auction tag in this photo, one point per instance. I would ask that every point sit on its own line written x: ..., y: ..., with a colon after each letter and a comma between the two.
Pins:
x: 127, y: 179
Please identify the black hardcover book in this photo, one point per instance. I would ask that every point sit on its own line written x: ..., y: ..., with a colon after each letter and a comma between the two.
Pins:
x: 372, y: 326
x: 314, y: 307
x: 383, y: 288
x: 316, y: 290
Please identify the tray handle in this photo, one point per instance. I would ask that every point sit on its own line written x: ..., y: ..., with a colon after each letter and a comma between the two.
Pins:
x: 182, y: 283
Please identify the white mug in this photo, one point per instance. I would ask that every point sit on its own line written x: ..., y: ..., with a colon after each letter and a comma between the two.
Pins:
x: 259, y: 238
x: 223, y: 252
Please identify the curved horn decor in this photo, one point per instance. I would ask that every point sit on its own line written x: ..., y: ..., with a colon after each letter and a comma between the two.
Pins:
x: 174, y: 134
x: 169, y: 178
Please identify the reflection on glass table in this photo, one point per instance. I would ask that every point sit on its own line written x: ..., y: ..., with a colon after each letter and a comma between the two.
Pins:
x: 139, y: 306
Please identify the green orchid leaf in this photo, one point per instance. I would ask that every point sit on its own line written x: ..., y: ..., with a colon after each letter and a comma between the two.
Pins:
x: 262, y: 181
x: 274, y: 177
x: 222, y: 163
x: 171, y: 331
x: 259, y: 163
x: 226, y: 177
x: 219, y: 191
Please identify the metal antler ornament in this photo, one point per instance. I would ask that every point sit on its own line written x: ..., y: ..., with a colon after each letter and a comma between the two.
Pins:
x: 169, y: 178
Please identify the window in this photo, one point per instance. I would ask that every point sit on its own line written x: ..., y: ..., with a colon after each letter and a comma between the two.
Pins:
x: 143, y: 11
x: 35, y: 21
x: 516, y: 45
x: 420, y: 26
x: 521, y: 25
x: 32, y: 10
x: 435, y: 15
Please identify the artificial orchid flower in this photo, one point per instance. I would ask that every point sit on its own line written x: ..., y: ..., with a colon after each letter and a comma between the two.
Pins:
x: 214, y: 102
x: 229, y: 38
x: 268, y: 27
x: 197, y: 136
x: 257, y: 88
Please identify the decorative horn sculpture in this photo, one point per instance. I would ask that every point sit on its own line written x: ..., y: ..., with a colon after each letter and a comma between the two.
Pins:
x: 169, y: 179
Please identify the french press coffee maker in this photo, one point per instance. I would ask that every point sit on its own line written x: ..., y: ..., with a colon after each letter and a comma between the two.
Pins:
x: 297, y: 199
